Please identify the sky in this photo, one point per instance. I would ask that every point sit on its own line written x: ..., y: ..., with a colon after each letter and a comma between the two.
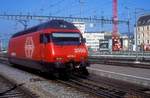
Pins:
x: 76, y: 8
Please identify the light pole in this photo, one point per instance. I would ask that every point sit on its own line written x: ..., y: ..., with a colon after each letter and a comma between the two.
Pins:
x: 129, y: 46
x: 136, y: 45
x: 0, y: 45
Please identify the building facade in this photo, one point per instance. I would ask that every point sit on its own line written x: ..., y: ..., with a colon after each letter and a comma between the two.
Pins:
x: 99, y: 41
x: 80, y: 26
x: 143, y: 33
x: 92, y: 39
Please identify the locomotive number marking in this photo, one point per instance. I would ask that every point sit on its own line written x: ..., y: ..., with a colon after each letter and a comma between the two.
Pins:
x: 79, y: 50
x: 29, y: 47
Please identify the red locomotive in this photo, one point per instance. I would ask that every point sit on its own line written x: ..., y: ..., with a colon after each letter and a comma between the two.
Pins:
x: 56, y: 46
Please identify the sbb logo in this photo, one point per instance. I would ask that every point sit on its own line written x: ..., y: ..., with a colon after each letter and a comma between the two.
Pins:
x: 79, y: 50
x: 29, y: 47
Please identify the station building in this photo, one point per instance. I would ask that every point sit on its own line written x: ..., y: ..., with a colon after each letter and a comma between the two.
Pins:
x: 143, y: 33
x: 99, y: 41
x: 80, y: 26
x: 92, y: 39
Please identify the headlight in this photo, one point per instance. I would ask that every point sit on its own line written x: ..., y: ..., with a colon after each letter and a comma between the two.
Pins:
x: 83, y: 58
x: 59, y: 58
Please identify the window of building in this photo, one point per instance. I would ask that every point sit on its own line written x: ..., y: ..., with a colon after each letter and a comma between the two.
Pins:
x: 141, y: 28
x: 139, y: 41
x: 148, y: 41
x: 138, y: 36
x: 138, y: 29
x: 147, y: 27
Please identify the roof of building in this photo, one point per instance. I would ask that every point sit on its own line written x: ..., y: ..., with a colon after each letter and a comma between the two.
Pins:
x: 144, y: 20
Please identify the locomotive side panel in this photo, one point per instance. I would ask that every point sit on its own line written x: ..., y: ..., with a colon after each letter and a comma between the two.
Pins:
x: 24, y: 49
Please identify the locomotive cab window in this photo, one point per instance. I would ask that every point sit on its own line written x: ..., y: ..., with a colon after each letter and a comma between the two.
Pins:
x: 44, y: 38
x: 67, y: 38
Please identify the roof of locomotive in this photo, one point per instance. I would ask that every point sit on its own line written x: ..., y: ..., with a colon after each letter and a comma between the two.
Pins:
x: 57, y: 24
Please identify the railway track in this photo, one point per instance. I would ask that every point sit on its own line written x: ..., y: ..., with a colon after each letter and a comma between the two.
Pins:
x: 123, y: 87
x: 93, y: 88
x: 107, y: 88
x: 119, y: 62
x: 10, y: 90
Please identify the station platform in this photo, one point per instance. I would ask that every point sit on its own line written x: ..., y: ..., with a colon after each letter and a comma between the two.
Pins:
x: 138, y: 76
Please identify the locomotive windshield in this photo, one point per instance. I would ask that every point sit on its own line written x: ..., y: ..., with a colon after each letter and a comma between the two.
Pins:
x: 67, y: 38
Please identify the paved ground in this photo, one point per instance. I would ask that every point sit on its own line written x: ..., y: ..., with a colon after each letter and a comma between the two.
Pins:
x: 134, y: 75
x: 139, y: 72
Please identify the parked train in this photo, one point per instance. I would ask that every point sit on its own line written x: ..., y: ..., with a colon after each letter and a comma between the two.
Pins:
x: 56, y: 46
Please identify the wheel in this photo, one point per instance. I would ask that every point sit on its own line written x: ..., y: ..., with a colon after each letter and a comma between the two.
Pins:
x: 84, y: 71
x: 64, y: 74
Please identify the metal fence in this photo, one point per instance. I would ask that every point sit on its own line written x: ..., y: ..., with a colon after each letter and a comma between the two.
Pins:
x: 121, y: 53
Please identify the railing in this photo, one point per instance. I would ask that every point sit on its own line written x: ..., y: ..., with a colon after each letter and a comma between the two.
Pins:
x: 121, y: 53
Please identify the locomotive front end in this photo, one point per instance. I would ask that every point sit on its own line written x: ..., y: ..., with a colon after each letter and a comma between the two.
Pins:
x: 70, y: 52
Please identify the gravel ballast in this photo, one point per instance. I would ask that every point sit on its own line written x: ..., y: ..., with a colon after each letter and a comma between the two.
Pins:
x: 41, y: 87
